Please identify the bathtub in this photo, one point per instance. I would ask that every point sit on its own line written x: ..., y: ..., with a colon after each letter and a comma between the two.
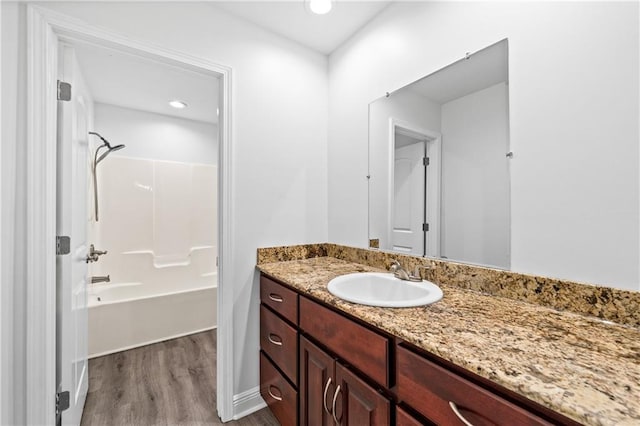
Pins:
x: 128, y: 315
x: 158, y: 225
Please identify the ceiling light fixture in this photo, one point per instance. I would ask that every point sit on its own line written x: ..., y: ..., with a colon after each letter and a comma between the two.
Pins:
x: 178, y: 104
x: 320, y: 7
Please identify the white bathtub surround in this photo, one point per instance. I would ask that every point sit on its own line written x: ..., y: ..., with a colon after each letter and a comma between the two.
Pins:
x: 158, y: 224
x: 157, y: 215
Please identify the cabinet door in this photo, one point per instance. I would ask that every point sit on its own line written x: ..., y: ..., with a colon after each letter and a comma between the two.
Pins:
x: 317, y: 385
x: 357, y: 403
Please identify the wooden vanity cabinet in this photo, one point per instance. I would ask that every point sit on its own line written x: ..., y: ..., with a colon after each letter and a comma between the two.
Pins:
x: 278, y: 350
x: 327, y: 384
x: 361, y: 347
x: 278, y: 393
x: 331, y: 394
x: 404, y: 418
x: 279, y: 298
x: 317, y: 385
x: 279, y: 341
x: 361, y: 404
x: 444, y: 397
x: 317, y: 363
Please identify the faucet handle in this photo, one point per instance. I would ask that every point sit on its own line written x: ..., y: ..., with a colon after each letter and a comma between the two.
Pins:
x: 100, y: 279
x: 94, y: 254
x: 395, y: 265
x: 418, y: 268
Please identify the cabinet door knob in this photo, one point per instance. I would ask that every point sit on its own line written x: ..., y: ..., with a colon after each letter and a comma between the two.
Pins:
x: 454, y: 408
x: 324, y: 398
x: 272, y: 339
x: 277, y: 398
x: 276, y: 298
x: 333, y: 406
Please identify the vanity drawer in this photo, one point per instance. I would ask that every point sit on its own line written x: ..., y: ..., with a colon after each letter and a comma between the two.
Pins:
x: 438, y: 393
x: 280, y: 341
x: 364, y: 349
x: 279, y: 298
x: 405, y: 419
x: 279, y: 395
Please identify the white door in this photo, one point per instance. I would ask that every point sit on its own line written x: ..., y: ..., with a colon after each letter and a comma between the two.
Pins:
x: 408, y: 199
x: 74, y: 121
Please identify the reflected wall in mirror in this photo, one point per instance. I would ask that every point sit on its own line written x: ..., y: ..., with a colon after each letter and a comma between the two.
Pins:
x: 439, y: 163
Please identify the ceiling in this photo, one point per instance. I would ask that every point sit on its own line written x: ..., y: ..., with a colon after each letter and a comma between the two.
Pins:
x: 291, y: 19
x: 129, y: 81
x: 482, y: 69
x: 135, y: 82
x: 402, y: 140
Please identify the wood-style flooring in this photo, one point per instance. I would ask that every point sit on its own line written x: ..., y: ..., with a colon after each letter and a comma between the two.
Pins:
x: 168, y: 383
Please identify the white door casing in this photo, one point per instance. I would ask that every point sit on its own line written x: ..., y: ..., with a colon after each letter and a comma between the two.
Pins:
x: 75, y: 120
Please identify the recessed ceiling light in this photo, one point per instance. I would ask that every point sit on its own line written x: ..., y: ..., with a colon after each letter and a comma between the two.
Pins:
x: 320, y: 7
x: 178, y: 104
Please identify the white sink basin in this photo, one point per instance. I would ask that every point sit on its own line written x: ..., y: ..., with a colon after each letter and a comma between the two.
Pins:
x: 384, y: 290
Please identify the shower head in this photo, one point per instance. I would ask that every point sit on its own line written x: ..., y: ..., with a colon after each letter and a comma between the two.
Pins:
x: 104, y: 141
x: 96, y: 160
x: 105, y: 144
x: 107, y: 152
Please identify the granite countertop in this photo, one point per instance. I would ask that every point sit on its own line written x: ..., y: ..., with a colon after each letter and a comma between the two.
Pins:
x: 582, y: 367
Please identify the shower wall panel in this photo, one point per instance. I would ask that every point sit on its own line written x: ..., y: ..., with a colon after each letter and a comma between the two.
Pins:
x: 158, y: 222
x: 173, y: 206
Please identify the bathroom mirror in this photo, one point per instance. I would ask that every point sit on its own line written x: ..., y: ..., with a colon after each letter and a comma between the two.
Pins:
x: 439, y: 163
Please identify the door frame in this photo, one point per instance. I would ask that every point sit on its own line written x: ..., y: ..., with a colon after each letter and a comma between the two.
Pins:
x: 44, y: 29
x: 433, y: 147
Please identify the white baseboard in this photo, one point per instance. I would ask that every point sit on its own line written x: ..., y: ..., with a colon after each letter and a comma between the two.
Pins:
x: 247, y: 402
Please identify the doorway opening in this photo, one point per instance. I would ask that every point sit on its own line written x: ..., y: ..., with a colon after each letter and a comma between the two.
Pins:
x: 58, y: 361
x: 137, y: 195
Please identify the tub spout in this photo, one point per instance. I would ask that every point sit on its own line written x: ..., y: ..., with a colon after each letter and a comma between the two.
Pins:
x: 104, y: 279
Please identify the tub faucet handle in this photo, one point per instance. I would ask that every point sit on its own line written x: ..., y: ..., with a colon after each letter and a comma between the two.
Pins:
x: 98, y: 279
x: 94, y: 255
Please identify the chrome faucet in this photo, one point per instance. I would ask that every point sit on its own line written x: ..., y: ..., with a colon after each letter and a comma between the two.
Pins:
x: 94, y: 255
x: 105, y: 279
x: 401, y: 273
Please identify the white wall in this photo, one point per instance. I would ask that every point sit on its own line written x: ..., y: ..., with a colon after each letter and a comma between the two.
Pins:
x: 13, y: 208
x: 573, y: 119
x: 157, y: 137
x: 475, y: 178
x: 279, y: 136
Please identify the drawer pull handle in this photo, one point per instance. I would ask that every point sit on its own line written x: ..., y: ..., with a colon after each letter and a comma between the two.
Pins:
x: 276, y: 298
x: 272, y: 340
x: 454, y: 408
x: 324, y: 398
x: 333, y: 406
x: 277, y: 398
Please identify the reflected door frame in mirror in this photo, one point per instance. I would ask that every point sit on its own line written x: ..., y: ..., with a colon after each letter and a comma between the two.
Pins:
x: 430, y: 159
